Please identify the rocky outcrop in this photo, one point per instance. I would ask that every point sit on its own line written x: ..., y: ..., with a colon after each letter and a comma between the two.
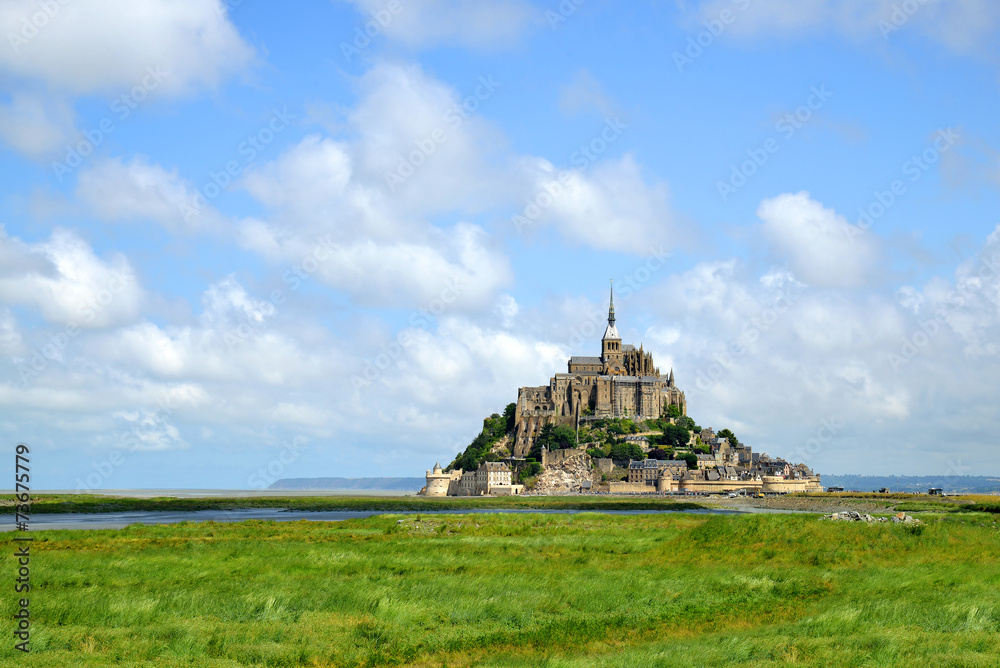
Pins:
x: 566, y: 477
x: 853, y: 516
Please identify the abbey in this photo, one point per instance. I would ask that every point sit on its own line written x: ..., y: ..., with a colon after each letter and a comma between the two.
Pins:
x: 622, y: 382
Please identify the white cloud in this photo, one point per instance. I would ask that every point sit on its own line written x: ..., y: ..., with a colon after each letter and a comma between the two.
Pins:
x: 56, y: 51
x: 585, y: 93
x: 965, y: 26
x: 67, y: 282
x: 11, y: 342
x: 333, y: 215
x: 99, y: 45
x: 476, y: 24
x: 149, y: 430
x: 822, y: 248
x: 609, y: 206
x: 34, y: 124
x: 141, y: 191
x: 238, y: 339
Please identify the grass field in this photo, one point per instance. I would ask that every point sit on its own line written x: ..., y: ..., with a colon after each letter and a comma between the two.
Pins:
x: 518, y: 590
x: 93, y: 503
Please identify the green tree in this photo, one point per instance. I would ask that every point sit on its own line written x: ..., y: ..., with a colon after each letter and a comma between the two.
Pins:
x: 674, y: 436
x: 660, y: 453
x: 726, y: 433
x: 626, y: 451
x: 531, y: 468
x: 494, y: 428
x: 691, y: 459
x: 688, y: 424
x: 553, y: 437
x: 508, y: 416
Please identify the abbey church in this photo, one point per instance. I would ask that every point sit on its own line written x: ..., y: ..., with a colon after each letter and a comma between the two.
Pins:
x: 622, y: 382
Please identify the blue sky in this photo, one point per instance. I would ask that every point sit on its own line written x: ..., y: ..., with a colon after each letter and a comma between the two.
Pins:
x: 240, y: 243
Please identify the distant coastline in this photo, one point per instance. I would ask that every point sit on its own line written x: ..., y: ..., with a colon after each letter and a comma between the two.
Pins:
x: 965, y: 484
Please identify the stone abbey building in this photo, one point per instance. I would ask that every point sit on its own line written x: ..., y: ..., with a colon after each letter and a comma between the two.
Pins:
x: 622, y: 382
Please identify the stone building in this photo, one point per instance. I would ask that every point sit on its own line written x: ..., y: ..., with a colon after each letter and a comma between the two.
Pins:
x: 622, y: 382
x: 490, y: 478
x: 442, y: 483
x: 493, y: 478
x: 648, y: 471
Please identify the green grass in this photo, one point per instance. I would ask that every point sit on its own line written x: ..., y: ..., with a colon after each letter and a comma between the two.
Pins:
x: 518, y: 590
x: 92, y: 503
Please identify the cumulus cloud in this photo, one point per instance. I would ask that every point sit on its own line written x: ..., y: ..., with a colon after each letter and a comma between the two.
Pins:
x: 821, y: 247
x: 476, y: 24
x: 67, y: 283
x: 608, y: 206
x: 87, y: 46
x: 60, y: 50
x: 140, y: 191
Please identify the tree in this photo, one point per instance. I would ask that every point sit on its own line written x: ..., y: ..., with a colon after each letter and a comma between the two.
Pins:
x: 531, y: 468
x: 597, y: 453
x: 508, y: 416
x: 674, y: 436
x: 660, y: 453
x: 626, y: 451
x: 672, y: 411
x: 557, y: 437
x: 691, y: 459
x: 494, y: 428
x: 726, y: 433
x: 553, y: 437
x: 688, y: 424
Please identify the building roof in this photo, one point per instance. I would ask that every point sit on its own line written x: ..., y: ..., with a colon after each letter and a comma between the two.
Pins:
x: 578, y: 359
x: 627, y: 347
x: 611, y: 333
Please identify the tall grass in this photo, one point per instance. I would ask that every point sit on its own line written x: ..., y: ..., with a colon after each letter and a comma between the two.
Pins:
x: 517, y: 590
x: 92, y: 503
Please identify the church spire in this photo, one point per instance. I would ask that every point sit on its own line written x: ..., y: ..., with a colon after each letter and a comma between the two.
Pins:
x: 611, y: 309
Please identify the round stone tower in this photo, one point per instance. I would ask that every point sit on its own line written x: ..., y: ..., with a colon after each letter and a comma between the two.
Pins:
x: 437, y: 482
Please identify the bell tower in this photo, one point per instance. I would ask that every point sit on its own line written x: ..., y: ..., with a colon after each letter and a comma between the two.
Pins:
x: 611, y: 343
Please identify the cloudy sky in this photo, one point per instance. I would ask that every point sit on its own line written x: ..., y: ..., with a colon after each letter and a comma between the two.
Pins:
x: 241, y: 241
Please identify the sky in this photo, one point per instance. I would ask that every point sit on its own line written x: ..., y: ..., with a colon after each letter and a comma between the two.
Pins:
x: 243, y: 240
